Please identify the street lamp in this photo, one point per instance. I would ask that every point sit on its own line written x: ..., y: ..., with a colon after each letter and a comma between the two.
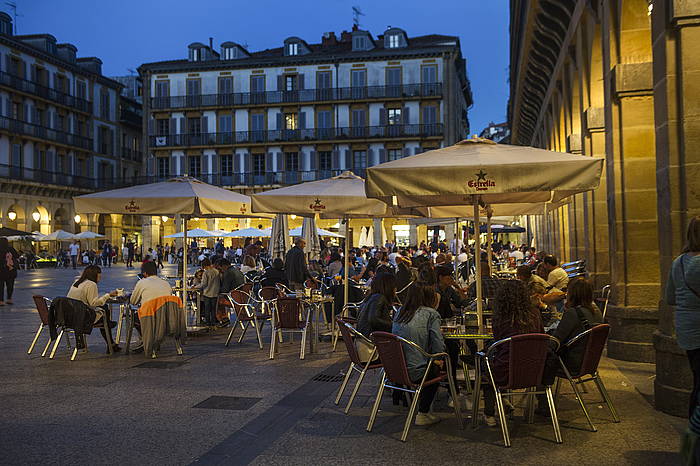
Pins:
x: 77, y: 218
x: 36, y: 216
x: 164, y: 218
x: 293, y: 217
x: 12, y: 215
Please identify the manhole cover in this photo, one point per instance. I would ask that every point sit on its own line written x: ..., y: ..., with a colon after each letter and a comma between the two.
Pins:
x: 231, y: 403
x: 328, y: 378
x: 159, y: 364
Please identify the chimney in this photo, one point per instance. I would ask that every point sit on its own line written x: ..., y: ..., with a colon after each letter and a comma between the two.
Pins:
x: 328, y: 39
x: 345, y: 36
x: 92, y: 64
x: 211, y: 43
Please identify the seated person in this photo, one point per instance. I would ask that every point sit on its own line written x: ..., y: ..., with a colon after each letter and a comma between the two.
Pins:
x: 513, y: 314
x: 579, y: 311
x: 151, y: 286
x: 377, y: 308
x: 542, y: 295
x: 556, y: 276
x: 275, y: 274
x: 85, y: 290
x: 248, y: 265
x: 335, y: 265
x: 419, y: 322
x: 231, y: 277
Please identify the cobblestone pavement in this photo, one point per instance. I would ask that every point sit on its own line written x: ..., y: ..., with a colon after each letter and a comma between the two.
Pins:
x: 114, y: 410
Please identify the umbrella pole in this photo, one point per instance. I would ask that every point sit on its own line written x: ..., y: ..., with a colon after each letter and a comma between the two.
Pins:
x: 457, y: 236
x: 346, y: 281
x: 184, y: 265
x: 477, y: 262
x: 489, y: 238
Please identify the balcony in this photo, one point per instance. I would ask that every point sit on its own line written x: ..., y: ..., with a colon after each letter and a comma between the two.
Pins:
x: 42, y: 132
x: 30, y: 87
x: 132, y: 154
x: 239, y: 99
x: 63, y: 179
x: 297, y: 135
x: 131, y: 117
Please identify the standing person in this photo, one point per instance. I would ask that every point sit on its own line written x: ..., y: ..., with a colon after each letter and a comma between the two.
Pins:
x: 107, y: 254
x: 74, y: 250
x: 683, y: 292
x: 130, y: 254
x: 159, y: 263
x: 295, y: 264
x: 210, y: 286
x: 8, y: 270
x: 456, y: 245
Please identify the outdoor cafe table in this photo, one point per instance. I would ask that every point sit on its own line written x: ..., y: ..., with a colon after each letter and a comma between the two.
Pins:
x: 317, y: 301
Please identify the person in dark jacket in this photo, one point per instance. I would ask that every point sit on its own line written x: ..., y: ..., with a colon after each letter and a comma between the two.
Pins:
x: 579, y: 307
x: 296, y: 267
x: 275, y: 274
x: 9, y: 261
x: 231, y: 277
x: 375, y: 313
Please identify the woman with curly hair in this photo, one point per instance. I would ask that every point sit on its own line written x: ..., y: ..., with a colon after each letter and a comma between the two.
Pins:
x: 513, y: 314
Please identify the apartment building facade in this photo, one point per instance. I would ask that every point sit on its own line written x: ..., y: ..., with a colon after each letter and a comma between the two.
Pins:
x: 301, y: 112
x: 61, y: 124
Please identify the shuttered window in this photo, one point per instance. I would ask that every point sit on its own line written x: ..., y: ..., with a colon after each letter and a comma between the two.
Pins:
x: 227, y: 165
x: 163, y: 167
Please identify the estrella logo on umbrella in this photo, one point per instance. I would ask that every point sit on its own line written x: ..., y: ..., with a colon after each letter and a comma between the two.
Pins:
x: 317, y: 206
x: 481, y: 183
x: 243, y: 209
x: 132, y: 206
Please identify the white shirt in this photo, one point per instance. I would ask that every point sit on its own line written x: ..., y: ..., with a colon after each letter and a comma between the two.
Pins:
x: 392, y: 258
x: 456, y: 245
x: 517, y: 254
x: 74, y: 249
x: 87, y: 293
x: 558, y: 278
x: 462, y: 257
x: 150, y: 288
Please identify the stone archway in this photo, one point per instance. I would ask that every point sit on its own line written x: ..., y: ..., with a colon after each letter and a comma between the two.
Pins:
x: 39, y: 220
x: 20, y: 217
x: 62, y: 221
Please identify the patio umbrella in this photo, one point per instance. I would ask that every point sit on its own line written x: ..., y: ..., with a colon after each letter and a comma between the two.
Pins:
x: 319, y: 231
x: 279, y: 240
x: 247, y: 233
x: 194, y: 233
x: 183, y: 195
x: 5, y: 232
x: 59, y: 235
x: 88, y: 235
x: 310, y: 234
x: 341, y: 196
x: 479, y: 172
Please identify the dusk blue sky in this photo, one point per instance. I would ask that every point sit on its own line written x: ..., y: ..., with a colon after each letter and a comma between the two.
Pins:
x: 127, y: 33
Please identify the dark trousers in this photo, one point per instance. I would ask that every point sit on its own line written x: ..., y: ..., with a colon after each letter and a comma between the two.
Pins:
x: 694, y: 360
x: 427, y: 395
x: 73, y: 260
x: 210, y: 309
x: 8, y: 283
x: 130, y: 260
x: 453, y: 351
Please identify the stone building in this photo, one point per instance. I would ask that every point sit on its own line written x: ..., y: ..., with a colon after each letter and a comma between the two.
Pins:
x: 303, y: 111
x: 618, y: 80
x: 61, y: 127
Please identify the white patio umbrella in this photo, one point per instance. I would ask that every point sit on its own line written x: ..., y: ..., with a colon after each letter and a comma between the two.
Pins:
x: 247, y: 233
x: 183, y: 195
x: 310, y: 234
x: 194, y: 233
x: 478, y: 172
x: 59, y: 235
x: 279, y: 240
x: 319, y: 231
x: 88, y: 235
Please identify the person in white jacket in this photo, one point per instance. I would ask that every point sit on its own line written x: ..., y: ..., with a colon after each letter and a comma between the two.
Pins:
x: 85, y: 290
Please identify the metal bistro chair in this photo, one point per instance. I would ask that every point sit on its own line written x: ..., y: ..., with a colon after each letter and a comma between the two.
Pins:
x: 528, y: 356
x: 246, y: 315
x: 290, y: 315
x: 395, y: 376
x: 103, y: 323
x: 351, y: 336
x: 595, y: 339
x: 42, y: 304
x: 400, y: 295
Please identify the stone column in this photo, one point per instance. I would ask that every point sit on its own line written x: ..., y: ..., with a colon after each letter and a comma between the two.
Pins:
x: 631, y: 185
x: 412, y: 235
x: 377, y: 224
x: 150, y: 228
x: 676, y: 48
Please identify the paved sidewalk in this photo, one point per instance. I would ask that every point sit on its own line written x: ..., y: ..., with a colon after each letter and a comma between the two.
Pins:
x: 113, y: 410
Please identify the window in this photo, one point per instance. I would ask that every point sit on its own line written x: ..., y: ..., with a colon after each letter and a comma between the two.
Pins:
x: 429, y: 74
x: 195, y: 54
x: 163, y: 127
x: 163, y: 167
x: 81, y: 89
x: 60, y: 122
x: 359, y: 43
x: 325, y: 160
x: 60, y: 163
x: 291, y: 121
x: 194, y: 125
x: 359, y: 119
x: 225, y: 123
x: 229, y: 53
x: 79, y: 167
x: 39, y: 117
x: 290, y: 82
x: 162, y: 88
x: 394, y: 154
x: 429, y: 115
x: 393, y: 41
x: 293, y: 49
x: 324, y: 119
x: 193, y: 87
x: 323, y: 79
x: 257, y: 83
x: 227, y: 165
x: 292, y: 161
x: 359, y: 160
x: 393, y: 82
x: 226, y: 85
x: 257, y: 122
x: 16, y: 155
x: 15, y: 111
x: 394, y: 116
x: 104, y: 106
x: 358, y: 78
x: 258, y: 164
x: 195, y: 162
